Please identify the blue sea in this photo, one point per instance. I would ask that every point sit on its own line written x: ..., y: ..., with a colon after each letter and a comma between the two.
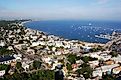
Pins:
x: 77, y: 30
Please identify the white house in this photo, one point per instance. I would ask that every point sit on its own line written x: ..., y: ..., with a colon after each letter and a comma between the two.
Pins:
x: 2, y: 43
x: 42, y: 43
x: 34, y: 37
x: 10, y: 47
x: 54, y: 49
x: 94, y: 55
x: 105, y: 56
x: 58, y: 53
x: 93, y: 64
x: 47, y: 60
x: 117, y: 59
x: 86, y: 48
x: 59, y: 43
x: 20, y: 46
x: 25, y: 66
x: 2, y: 72
x: 108, y: 67
x: 18, y: 56
x: 96, y: 73
x: 35, y: 43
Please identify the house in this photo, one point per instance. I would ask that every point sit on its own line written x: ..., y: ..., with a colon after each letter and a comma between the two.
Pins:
x: 34, y: 37
x: 57, y: 65
x: 2, y: 73
x: 7, y: 59
x: 12, y: 70
x: 35, y: 43
x: 86, y: 48
x: 25, y: 66
x: 116, y: 70
x: 117, y: 59
x: 18, y: 56
x: 2, y: 43
x: 105, y: 56
x: 59, y: 53
x: 97, y: 73
x: 30, y: 51
x: 108, y: 68
x: 47, y: 60
x: 10, y: 48
x: 74, y: 67
x: 21, y: 46
x: 59, y: 43
x: 109, y: 62
x: 93, y: 64
x: 94, y: 55
x: 79, y: 61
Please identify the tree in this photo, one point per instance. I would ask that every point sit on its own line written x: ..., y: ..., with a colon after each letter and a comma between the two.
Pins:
x: 108, y: 77
x: 86, y: 70
x: 72, y: 58
x: 69, y: 67
x: 3, y: 67
x: 114, y: 54
x: 5, y: 51
x: 87, y: 58
x: 36, y: 64
x: 18, y: 65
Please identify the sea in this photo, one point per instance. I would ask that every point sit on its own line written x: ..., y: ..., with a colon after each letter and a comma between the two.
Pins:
x: 77, y: 29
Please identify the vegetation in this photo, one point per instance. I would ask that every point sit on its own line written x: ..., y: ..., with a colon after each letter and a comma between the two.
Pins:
x: 108, y: 77
x: 72, y: 58
x: 5, y: 51
x: 39, y: 75
x: 69, y: 67
x: 3, y: 67
x: 18, y: 65
x: 114, y: 54
x: 87, y: 58
x: 99, y: 48
x: 37, y: 64
x: 86, y: 71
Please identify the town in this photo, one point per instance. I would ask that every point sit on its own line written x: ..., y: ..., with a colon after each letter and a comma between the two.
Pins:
x: 27, y: 54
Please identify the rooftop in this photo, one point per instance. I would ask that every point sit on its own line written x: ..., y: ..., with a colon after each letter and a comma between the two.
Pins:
x: 6, y: 58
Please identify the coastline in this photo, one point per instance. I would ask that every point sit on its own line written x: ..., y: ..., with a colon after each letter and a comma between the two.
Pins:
x: 84, y: 42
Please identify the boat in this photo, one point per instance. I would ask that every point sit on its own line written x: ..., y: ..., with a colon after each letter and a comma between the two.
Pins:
x: 104, y: 36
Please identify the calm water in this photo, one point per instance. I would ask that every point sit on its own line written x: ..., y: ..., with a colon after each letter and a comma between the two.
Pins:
x: 81, y: 30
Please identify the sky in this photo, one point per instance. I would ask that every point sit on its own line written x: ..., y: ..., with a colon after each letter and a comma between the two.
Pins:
x: 61, y: 9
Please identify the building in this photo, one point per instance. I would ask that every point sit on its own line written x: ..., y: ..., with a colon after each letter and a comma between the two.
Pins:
x: 7, y: 59
x: 116, y: 70
x: 25, y: 66
x: 2, y: 72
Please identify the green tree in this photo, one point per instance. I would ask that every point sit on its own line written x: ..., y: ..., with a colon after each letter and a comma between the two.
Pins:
x: 114, y: 54
x: 5, y: 51
x: 72, y: 58
x: 18, y: 65
x: 3, y: 67
x: 36, y: 64
x: 87, y: 58
x: 108, y: 77
x: 69, y: 67
x: 86, y: 71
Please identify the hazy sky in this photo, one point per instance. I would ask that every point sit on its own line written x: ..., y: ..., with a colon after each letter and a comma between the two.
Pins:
x: 61, y: 9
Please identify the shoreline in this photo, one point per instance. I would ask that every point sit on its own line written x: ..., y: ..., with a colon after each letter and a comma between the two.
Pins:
x: 85, y: 42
